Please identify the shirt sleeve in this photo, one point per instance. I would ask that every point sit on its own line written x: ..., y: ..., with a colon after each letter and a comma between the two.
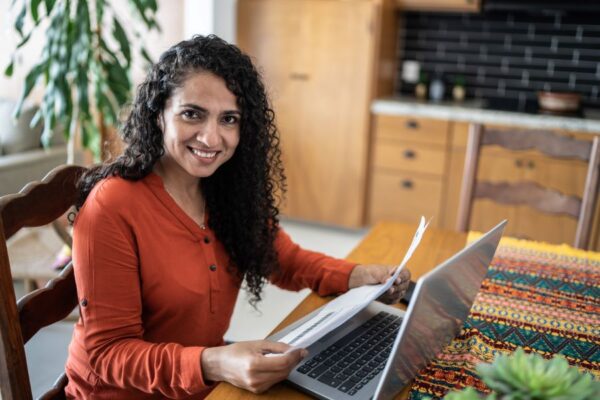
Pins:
x: 300, y: 268
x: 108, y: 286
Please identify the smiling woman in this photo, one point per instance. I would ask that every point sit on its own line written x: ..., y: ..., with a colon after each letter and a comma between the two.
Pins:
x: 168, y: 232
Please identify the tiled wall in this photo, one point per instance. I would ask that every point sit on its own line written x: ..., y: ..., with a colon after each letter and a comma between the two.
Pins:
x: 506, y: 55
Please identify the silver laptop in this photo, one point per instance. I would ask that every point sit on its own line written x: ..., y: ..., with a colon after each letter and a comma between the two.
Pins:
x: 377, y: 352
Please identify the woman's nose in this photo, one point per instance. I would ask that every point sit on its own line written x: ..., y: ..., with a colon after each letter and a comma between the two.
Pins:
x: 208, y: 134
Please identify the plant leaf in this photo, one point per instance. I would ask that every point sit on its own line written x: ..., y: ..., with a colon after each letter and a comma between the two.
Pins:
x: 49, y: 6
x: 35, y: 4
x: 24, y: 40
x: 10, y: 67
x: 141, y: 10
x: 121, y: 37
x: 20, y: 20
x: 146, y: 56
x: 30, y: 81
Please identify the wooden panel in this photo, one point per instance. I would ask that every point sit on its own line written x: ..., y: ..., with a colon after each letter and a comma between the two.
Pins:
x: 439, y: 5
x: 565, y: 176
x: 321, y: 94
x: 398, y: 156
x: 532, y: 224
x: 405, y: 197
x: 486, y: 214
x: 417, y: 130
x: 453, y: 182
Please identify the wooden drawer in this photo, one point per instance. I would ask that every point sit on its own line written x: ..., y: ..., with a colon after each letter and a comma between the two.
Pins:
x: 405, y: 157
x: 404, y: 197
x: 417, y: 130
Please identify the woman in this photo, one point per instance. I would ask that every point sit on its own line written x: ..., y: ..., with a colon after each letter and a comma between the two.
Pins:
x: 167, y: 233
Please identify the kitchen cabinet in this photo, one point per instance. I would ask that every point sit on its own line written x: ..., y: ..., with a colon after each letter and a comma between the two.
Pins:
x: 439, y: 5
x: 408, y: 169
x: 417, y: 169
x: 323, y: 61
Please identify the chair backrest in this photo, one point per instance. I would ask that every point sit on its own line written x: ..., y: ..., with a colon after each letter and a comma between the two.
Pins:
x: 38, y: 204
x: 530, y: 193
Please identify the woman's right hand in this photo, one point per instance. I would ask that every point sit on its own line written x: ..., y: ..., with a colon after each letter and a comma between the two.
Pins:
x: 246, y: 365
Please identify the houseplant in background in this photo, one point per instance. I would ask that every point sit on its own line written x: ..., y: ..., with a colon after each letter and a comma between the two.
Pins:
x: 522, y: 376
x: 85, y: 65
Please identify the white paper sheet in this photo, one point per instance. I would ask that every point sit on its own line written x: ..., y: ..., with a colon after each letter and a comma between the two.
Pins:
x: 344, y: 307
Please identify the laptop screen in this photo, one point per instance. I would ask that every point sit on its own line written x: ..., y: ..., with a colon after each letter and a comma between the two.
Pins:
x: 437, y: 311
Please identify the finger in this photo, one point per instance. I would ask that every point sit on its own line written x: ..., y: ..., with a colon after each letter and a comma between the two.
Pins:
x: 268, y: 346
x: 405, y: 274
x: 281, y: 362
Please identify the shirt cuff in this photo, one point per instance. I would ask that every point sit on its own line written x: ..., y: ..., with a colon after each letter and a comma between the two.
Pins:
x: 192, y: 379
x: 336, y: 277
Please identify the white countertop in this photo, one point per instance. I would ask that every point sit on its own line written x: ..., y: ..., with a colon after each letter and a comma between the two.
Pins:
x: 472, y: 111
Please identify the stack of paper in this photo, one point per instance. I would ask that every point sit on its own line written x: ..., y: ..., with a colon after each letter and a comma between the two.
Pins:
x: 344, y: 307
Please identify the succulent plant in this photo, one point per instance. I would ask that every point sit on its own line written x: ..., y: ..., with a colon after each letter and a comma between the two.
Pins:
x: 522, y: 376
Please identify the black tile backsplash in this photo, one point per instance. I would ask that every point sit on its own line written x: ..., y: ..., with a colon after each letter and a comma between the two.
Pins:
x: 506, y: 55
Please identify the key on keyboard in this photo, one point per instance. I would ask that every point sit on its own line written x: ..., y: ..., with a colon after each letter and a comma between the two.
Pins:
x: 354, y: 360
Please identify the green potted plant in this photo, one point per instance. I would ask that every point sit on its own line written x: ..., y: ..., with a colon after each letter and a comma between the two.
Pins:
x: 84, y: 67
x: 522, y: 376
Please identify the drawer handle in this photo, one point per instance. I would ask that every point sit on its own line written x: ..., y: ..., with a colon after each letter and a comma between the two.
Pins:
x: 530, y: 164
x: 519, y: 163
x: 298, y: 76
x: 407, y: 184
x: 412, y: 124
x: 409, y: 153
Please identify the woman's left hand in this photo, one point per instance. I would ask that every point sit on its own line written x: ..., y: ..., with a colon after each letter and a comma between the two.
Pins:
x: 371, y: 274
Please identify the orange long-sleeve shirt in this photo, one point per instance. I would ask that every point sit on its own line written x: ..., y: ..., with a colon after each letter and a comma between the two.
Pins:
x: 154, y: 291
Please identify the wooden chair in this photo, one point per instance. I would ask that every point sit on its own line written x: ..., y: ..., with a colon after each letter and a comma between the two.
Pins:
x: 38, y: 204
x: 530, y: 193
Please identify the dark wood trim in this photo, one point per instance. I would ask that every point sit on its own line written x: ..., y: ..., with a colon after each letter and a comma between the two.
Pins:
x: 590, y: 195
x: 531, y: 194
x: 546, y: 142
x: 39, y: 203
x: 14, y: 376
x: 16, y: 208
x: 38, y: 309
x: 469, y: 175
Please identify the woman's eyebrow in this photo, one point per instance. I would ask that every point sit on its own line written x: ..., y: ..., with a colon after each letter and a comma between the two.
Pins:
x: 202, y: 109
x: 194, y: 106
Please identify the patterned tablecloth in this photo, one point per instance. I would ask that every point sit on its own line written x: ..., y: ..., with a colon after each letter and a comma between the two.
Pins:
x: 544, y: 298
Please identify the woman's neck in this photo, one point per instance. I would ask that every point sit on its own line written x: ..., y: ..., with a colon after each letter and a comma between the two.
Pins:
x: 177, y: 181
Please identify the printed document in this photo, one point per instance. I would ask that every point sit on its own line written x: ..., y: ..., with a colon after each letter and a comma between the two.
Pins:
x: 344, y: 307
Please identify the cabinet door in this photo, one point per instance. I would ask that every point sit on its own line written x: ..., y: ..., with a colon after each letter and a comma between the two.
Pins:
x: 321, y: 93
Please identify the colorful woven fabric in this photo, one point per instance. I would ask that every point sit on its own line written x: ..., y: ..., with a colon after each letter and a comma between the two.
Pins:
x: 544, y: 298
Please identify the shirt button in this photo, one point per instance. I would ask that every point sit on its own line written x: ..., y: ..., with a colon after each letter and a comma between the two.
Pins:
x: 84, y: 303
x: 206, y: 239
x: 212, y: 267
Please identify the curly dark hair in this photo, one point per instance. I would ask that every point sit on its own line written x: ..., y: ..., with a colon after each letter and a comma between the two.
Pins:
x: 242, y: 196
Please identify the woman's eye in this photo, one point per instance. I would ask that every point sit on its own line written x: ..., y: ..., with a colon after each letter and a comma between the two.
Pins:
x: 230, y: 119
x: 190, y: 114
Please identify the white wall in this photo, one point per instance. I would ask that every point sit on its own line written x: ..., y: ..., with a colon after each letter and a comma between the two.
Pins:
x: 225, y: 19
x: 211, y: 16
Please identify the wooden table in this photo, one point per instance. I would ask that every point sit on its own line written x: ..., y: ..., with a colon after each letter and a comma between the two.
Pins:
x: 386, y: 243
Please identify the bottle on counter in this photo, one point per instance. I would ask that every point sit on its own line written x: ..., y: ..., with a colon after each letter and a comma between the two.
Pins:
x: 458, y: 91
x: 421, y: 87
x: 437, y: 89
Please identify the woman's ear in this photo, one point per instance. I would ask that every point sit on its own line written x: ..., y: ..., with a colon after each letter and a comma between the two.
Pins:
x: 160, y: 121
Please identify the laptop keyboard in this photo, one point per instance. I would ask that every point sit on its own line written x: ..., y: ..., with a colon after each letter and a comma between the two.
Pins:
x: 354, y: 360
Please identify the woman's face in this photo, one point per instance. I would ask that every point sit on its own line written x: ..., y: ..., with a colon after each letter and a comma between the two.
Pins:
x: 201, y: 125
